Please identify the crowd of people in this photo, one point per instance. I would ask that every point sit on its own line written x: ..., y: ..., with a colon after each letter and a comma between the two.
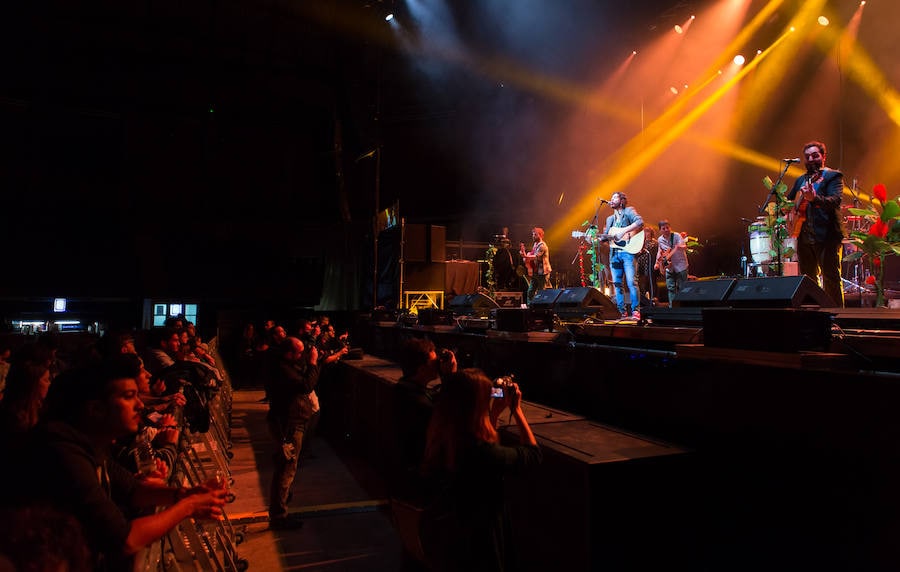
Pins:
x: 89, y: 443
x: 289, y: 368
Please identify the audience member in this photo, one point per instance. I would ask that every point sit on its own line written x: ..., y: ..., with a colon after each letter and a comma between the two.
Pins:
x: 415, y: 395
x: 41, y: 539
x: 295, y: 377
x: 464, y: 455
x: 165, y: 345
x: 26, y: 389
x: 4, y: 368
x: 70, y: 467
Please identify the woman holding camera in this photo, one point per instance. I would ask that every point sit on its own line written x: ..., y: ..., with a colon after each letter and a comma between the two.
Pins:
x: 464, y: 455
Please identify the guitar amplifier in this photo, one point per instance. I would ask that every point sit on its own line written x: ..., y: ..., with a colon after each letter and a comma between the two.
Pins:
x: 508, y: 299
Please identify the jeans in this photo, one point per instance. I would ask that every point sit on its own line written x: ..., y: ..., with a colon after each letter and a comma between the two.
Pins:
x: 290, y: 429
x: 674, y: 282
x: 538, y: 283
x: 619, y: 262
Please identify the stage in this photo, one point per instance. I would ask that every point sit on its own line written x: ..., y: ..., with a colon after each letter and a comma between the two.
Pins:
x: 789, y: 456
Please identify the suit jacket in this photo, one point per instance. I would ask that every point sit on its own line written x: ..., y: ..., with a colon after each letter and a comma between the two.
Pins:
x: 823, y: 220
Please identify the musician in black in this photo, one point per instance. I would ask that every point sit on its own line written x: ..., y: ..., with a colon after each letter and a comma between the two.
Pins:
x: 505, y: 262
x: 623, y: 224
x: 819, y: 242
x: 672, y: 258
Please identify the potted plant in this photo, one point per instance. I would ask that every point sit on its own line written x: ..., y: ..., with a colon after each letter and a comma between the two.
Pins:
x: 882, y: 239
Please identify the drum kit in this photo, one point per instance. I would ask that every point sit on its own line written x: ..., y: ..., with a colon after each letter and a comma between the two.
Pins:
x: 762, y: 247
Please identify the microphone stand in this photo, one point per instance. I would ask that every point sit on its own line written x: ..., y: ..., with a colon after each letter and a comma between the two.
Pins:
x: 762, y: 209
x: 860, y: 268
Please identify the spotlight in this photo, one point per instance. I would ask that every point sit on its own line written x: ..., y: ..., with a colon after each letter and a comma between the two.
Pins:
x: 823, y: 21
x: 739, y: 60
x: 863, y: 3
x: 693, y: 17
x: 678, y: 29
x: 674, y: 90
x: 633, y: 52
x: 389, y: 17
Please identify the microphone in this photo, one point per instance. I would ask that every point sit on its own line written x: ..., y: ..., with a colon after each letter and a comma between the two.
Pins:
x: 603, y: 201
x: 794, y: 160
x: 746, y: 220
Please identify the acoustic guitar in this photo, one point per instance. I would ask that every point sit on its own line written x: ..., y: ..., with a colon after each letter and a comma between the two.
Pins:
x: 530, y: 263
x: 632, y: 242
x: 801, y: 204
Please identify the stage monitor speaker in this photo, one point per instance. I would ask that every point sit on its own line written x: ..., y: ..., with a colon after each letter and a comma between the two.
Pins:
x: 545, y: 299
x: 585, y: 300
x: 778, y: 292
x: 522, y: 319
x: 476, y: 304
x: 703, y: 293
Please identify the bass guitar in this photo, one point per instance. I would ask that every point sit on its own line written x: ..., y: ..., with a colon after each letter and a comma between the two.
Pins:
x: 632, y: 242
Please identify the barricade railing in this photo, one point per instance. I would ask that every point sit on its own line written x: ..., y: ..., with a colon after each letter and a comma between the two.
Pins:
x: 202, y: 544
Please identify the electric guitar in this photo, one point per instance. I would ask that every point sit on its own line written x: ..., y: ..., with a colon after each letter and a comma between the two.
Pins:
x: 665, y: 258
x: 632, y: 242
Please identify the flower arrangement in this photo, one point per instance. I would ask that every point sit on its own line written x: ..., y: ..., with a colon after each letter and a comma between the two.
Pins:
x: 880, y: 240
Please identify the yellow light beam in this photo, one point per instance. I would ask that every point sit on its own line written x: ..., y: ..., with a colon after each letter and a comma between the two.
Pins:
x: 633, y: 158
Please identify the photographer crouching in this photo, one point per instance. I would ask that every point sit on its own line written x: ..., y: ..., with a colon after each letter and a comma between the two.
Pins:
x: 467, y: 464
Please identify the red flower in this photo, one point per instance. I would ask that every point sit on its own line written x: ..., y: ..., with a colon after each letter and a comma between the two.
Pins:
x: 879, y: 229
x: 870, y: 279
x: 880, y: 192
x: 876, y: 262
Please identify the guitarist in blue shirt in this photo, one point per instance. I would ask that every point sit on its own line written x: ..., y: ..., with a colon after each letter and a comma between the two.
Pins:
x: 624, y: 232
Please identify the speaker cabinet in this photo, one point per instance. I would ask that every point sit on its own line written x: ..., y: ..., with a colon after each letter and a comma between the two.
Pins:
x: 424, y: 242
x: 778, y: 292
x: 704, y: 293
x: 522, y: 319
x: 585, y: 300
x: 472, y: 305
x: 435, y: 317
x: 545, y: 299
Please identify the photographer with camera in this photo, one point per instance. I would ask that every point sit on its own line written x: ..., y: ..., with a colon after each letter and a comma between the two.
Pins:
x: 467, y: 465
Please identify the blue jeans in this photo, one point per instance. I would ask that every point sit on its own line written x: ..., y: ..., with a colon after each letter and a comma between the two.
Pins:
x: 619, y: 262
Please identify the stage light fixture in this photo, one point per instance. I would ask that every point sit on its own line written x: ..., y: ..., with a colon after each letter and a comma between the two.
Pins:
x: 678, y: 29
x: 823, y: 21
x: 389, y: 17
x: 739, y: 60
x: 674, y: 90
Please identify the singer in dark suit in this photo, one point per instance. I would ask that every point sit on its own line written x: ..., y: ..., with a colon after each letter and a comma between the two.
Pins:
x: 818, y: 206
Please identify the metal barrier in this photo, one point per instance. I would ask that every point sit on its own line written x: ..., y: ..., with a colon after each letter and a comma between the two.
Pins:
x: 196, y: 544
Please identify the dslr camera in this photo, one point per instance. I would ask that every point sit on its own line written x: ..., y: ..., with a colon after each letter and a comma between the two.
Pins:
x: 501, y: 385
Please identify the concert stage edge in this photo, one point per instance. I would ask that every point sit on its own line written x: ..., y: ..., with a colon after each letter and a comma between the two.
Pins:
x: 765, y: 432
